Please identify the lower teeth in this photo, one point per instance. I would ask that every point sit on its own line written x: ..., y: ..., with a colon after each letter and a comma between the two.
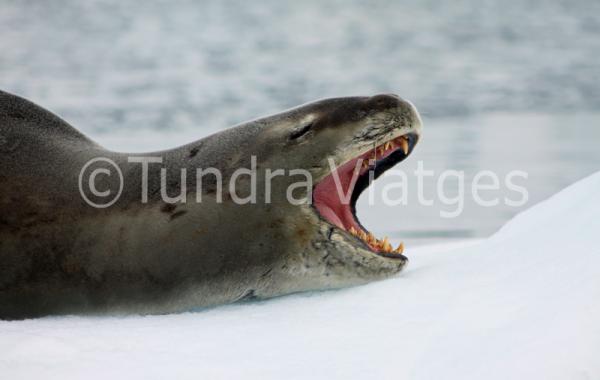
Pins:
x: 380, y: 245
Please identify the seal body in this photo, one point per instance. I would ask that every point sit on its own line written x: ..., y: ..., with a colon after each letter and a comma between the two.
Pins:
x: 154, y: 252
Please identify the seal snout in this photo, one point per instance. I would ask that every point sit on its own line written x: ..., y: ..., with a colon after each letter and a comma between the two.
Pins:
x: 386, y: 101
x: 399, y: 107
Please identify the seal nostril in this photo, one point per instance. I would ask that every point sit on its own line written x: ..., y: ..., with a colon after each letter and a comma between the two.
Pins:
x: 300, y: 131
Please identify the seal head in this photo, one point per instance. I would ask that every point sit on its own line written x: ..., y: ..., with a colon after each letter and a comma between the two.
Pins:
x: 345, y: 143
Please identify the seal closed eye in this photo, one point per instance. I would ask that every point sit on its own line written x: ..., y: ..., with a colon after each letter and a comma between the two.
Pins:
x: 300, y: 132
x: 142, y: 255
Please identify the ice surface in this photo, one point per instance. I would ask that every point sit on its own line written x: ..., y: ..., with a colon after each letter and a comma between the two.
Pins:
x: 523, y: 304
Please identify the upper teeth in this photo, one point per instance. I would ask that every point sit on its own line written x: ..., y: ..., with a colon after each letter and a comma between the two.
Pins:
x: 382, y: 149
x: 404, y: 145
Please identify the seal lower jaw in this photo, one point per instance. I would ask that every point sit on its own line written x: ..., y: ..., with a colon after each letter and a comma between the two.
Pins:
x: 335, y: 196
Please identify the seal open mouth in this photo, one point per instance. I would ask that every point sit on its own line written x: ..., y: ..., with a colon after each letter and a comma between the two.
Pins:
x: 335, y: 195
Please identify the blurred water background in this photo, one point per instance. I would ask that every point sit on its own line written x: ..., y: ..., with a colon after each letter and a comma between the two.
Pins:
x: 501, y: 85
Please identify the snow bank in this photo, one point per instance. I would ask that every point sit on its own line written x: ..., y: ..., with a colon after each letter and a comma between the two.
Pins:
x: 524, y: 304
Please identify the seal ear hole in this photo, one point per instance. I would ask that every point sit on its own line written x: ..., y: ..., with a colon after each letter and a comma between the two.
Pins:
x: 299, y: 132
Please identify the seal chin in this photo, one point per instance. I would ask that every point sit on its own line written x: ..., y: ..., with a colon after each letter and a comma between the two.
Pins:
x: 335, y: 196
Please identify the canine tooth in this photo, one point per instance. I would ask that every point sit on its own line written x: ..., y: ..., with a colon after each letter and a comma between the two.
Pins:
x: 386, y: 245
x: 400, y: 248
x: 404, y: 145
x: 387, y: 145
x: 353, y: 230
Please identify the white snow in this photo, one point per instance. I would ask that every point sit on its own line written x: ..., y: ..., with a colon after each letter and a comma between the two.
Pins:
x: 523, y: 304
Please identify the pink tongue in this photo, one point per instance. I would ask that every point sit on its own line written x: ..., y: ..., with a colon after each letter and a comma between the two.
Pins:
x: 327, y: 197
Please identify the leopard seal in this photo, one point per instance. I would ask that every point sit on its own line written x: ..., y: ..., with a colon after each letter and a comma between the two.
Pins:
x: 152, y: 253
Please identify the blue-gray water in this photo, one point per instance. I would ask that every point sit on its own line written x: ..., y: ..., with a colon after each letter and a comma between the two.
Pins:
x: 501, y: 85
